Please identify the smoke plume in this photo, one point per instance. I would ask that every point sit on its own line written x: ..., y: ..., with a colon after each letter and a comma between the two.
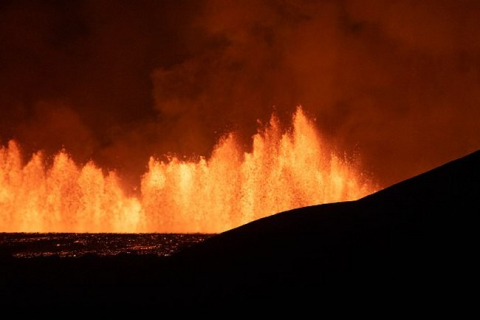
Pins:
x: 395, y: 83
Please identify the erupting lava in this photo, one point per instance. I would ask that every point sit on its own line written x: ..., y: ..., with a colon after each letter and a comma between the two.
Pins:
x: 286, y: 169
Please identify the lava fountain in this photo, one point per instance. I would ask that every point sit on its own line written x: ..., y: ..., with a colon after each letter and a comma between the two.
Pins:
x: 285, y: 169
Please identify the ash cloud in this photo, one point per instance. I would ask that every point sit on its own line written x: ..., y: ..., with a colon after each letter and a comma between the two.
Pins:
x: 395, y: 82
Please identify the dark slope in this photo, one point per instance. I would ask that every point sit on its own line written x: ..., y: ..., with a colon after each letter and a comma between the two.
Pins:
x: 413, y: 240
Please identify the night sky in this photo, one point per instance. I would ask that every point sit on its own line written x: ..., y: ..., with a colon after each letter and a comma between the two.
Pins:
x: 396, y: 83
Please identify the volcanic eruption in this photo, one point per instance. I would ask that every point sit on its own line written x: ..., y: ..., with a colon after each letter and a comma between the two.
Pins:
x: 142, y: 116
x: 287, y: 168
x: 139, y: 117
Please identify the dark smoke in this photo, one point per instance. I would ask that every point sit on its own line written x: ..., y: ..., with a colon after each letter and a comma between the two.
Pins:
x: 396, y: 82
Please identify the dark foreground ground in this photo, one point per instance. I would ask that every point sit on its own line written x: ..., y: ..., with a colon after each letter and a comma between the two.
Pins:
x: 76, y: 245
x: 415, y: 242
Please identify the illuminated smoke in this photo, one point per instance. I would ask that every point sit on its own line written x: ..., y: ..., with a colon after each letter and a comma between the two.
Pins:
x: 119, y: 81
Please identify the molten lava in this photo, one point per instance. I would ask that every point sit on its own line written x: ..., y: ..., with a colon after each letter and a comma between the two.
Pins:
x: 286, y: 169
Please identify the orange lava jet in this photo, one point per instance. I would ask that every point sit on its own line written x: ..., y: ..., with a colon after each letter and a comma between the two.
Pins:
x: 285, y: 170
